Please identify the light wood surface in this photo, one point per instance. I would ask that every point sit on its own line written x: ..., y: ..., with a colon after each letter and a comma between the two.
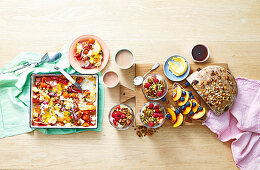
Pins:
x: 141, y: 69
x: 153, y: 30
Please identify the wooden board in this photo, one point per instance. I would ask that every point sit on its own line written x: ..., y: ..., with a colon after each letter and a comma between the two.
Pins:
x: 141, y: 69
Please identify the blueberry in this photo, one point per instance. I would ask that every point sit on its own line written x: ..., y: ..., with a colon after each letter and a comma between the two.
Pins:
x: 187, y: 83
x: 194, y: 104
x: 164, y: 99
x: 183, y: 107
x: 191, y: 113
x: 187, y: 104
x: 192, y: 96
x: 200, y: 108
x: 190, y: 93
x: 182, y: 99
x: 177, y: 111
x: 183, y: 93
x: 168, y: 116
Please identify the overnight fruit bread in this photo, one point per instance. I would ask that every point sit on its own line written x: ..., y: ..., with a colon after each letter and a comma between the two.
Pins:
x: 217, y: 87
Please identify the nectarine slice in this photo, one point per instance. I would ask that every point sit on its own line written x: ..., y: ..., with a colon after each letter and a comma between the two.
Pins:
x: 199, y: 114
x: 172, y: 113
x: 186, y: 98
x: 177, y: 93
x: 179, y: 120
x: 187, y: 109
x: 194, y: 109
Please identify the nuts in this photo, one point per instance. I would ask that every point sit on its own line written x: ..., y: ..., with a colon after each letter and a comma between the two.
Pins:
x: 195, y: 82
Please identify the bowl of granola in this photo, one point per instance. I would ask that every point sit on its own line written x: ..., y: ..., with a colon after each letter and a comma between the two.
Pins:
x: 152, y: 115
x: 121, y: 116
x: 154, y: 87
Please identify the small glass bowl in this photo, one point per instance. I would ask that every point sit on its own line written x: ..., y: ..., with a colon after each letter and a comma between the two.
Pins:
x: 159, y: 77
x: 155, y: 104
x: 120, y: 127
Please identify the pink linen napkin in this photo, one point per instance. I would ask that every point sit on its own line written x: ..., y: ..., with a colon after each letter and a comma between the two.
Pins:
x: 242, y: 123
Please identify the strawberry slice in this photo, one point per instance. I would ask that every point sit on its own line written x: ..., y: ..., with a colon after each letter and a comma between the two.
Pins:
x: 161, y: 120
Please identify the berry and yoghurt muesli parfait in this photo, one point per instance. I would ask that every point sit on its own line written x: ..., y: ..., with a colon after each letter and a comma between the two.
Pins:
x: 121, y: 116
x: 152, y: 115
x: 154, y: 87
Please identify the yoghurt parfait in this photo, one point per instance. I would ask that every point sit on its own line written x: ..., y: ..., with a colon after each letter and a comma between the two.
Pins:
x: 121, y: 116
x: 154, y: 87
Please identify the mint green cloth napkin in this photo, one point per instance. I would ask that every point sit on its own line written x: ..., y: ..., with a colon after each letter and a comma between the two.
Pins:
x: 15, y: 95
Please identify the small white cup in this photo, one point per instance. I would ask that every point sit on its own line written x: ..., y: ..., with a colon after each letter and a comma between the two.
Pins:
x: 110, y: 76
x: 130, y: 64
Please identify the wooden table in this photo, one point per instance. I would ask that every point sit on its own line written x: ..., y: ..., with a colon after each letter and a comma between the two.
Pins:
x: 153, y: 30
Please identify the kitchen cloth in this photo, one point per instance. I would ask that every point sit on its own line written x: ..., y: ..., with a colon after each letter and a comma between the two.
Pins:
x: 15, y: 95
x: 241, y: 123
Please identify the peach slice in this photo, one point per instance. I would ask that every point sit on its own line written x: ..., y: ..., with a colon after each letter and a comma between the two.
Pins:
x: 199, y: 114
x: 179, y: 120
x: 186, y: 98
x: 172, y: 113
x: 177, y: 93
x: 194, y: 109
x: 187, y: 109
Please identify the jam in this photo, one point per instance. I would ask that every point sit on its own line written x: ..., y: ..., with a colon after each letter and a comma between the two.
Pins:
x: 199, y: 52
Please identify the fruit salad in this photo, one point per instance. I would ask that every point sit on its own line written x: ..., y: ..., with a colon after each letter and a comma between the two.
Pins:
x: 89, y: 53
x: 56, y: 102
x: 152, y: 115
x: 154, y: 87
x: 121, y: 116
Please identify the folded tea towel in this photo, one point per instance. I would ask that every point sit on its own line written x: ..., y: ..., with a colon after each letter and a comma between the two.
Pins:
x: 242, y: 123
x: 15, y: 95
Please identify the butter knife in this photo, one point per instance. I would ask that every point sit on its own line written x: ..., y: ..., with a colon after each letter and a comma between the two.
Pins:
x: 69, y: 78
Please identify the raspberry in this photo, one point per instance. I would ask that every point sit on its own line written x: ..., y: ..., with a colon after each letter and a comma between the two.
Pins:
x: 147, y: 85
x: 155, y: 80
x: 159, y: 93
x: 156, y: 107
x: 155, y: 115
x: 115, y: 123
x: 114, y: 114
x: 151, y: 124
x: 158, y: 111
x: 117, y: 107
x: 117, y: 119
x: 160, y: 115
x: 119, y: 113
x: 151, y: 106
